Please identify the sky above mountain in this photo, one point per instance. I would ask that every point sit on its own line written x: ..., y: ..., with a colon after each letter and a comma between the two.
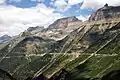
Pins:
x: 17, y: 15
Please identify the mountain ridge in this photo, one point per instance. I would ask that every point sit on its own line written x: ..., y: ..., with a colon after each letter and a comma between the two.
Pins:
x: 4, y: 38
x: 106, y: 12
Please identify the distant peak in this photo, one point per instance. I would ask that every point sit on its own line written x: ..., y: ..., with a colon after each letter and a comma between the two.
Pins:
x: 63, y: 22
x: 4, y: 38
x: 34, y: 28
x: 72, y: 18
x: 5, y: 35
x: 106, y: 5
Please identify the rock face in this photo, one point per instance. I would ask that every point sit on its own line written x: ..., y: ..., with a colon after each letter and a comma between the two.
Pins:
x: 106, y: 12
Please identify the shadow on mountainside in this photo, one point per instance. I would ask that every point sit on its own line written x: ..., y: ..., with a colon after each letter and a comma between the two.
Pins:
x: 63, y: 75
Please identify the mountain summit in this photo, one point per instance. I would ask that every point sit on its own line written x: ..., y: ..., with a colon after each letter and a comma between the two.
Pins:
x: 106, y: 12
x: 4, y: 38
x: 60, y: 28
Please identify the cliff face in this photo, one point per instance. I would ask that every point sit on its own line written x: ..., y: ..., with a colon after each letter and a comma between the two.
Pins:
x: 106, y: 12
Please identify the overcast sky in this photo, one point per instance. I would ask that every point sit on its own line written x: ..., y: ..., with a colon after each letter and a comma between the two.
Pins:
x: 17, y: 15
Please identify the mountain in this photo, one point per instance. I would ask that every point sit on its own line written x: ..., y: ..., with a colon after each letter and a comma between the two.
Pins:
x: 4, y: 38
x: 106, y: 12
x: 85, y: 51
x: 35, y: 30
x: 60, y: 28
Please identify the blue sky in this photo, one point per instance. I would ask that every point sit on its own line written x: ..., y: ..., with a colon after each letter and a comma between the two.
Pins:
x: 73, y: 10
x: 17, y: 15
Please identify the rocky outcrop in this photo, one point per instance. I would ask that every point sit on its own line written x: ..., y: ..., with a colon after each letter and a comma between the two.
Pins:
x: 34, y: 30
x: 106, y: 12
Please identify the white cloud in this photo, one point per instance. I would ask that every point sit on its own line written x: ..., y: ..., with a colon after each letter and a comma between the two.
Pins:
x: 2, y: 1
x: 14, y: 20
x: 83, y: 17
x: 61, y: 5
x: 95, y: 4
x: 72, y: 2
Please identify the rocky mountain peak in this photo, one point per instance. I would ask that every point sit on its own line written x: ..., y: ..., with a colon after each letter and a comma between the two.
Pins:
x: 63, y: 22
x: 60, y: 28
x: 106, y: 12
